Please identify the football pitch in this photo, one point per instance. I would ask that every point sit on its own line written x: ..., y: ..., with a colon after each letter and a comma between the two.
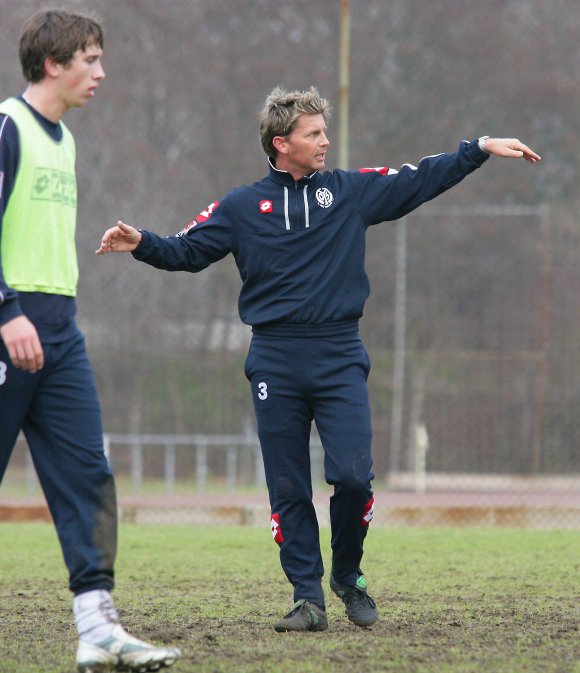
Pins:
x: 450, y: 601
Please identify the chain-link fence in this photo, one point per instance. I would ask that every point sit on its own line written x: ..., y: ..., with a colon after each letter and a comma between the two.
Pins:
x: 473, y: 325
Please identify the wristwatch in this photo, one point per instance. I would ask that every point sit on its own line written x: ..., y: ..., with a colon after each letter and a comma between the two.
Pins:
x: 482, y: 145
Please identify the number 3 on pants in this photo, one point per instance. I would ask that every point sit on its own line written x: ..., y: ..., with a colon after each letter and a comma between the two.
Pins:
x: 3, y: 368
x: 263, y: 390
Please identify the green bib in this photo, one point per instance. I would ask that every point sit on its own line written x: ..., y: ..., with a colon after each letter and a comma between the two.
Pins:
x: 38, y: 228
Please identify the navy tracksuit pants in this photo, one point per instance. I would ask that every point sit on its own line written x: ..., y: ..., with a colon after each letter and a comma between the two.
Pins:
x: 294, y: 381
x: 59, y: 412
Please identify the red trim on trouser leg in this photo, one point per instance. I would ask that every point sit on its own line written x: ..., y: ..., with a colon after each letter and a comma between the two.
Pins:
x: 276, y: 530
x: 368, y: 512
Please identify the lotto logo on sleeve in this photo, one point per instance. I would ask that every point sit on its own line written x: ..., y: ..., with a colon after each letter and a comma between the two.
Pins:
x: 266, y: 206
x: 201, y: 218
x: 207, y: 213
x: 276, y: 530
x: 187, y: 228
x: 368, y: 512
x: 383, y: 170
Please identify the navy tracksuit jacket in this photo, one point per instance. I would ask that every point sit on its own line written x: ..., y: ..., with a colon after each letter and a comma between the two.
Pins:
x: 300, y: 249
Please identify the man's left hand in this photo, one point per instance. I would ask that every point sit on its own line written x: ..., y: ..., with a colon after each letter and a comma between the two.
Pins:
x: 511, y: 148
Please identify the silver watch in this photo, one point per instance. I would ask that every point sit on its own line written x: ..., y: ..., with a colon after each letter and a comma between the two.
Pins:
x: 482, y: 145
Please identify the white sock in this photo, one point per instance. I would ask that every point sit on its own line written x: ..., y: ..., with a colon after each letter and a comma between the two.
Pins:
x: 95, y: 615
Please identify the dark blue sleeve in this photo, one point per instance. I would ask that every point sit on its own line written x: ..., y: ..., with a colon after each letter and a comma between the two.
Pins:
x: 206, y: 240
x: 9, y: 157
x: 389, y: 194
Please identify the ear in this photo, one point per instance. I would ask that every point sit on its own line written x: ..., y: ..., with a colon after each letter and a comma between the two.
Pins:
x: 51, y: 67
x: 280, y: 144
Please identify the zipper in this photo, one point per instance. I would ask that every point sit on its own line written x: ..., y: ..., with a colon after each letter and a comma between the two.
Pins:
x: 306, y: 211
x: 287, y: 207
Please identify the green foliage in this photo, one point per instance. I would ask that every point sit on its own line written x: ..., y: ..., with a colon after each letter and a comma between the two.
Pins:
x: 451, y: 601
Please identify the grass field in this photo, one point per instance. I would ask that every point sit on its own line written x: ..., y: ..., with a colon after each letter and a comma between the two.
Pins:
x: 450, y: 600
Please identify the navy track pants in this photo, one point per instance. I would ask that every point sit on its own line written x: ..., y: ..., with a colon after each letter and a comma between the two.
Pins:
x: 295, y: 380
x: 59, y: 412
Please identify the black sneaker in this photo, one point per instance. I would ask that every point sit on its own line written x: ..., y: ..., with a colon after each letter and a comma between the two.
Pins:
x: 304, y: 616
x: 360, y: 607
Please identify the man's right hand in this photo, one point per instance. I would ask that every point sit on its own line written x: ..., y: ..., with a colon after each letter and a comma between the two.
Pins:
x: 23, y: 344
x: 122, y: 238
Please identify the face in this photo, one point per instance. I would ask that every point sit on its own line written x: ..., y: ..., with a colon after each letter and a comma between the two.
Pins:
x: 303, y: 151
x: 79, y: 79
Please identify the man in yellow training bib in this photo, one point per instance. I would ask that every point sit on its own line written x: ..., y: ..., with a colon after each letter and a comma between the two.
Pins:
x: 47, y: 387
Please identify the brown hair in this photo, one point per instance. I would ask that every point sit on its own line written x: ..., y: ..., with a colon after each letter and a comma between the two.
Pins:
x: 281, y: 111
x: 55, y: 34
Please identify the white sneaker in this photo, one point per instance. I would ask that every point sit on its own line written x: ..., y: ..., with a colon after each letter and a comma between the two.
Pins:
x: 122, y: 652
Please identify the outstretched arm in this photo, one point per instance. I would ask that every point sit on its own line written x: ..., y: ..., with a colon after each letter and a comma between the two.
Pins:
x: 207, y: 239
x: 510, y: 147
x: 121, y: 238
x: 387, y: 194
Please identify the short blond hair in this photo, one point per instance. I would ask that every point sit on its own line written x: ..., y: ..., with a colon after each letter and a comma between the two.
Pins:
x: 282, y: 110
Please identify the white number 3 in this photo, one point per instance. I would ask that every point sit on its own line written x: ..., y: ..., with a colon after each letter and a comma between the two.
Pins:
x: 3, y: 368
x: 263, y: 388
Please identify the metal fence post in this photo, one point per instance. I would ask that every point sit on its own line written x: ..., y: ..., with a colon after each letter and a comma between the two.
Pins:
x: 231, y: 467
x: 201, y: 466
x: 31, y: 479
x: 137, y: 467
x: 399, y: 349
x: 170, y: 468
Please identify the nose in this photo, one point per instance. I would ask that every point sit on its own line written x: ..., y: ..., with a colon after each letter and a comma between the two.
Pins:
x: 324, y: 140
x: 99, y: 72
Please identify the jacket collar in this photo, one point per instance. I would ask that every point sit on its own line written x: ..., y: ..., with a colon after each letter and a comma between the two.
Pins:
x: 284, y: 178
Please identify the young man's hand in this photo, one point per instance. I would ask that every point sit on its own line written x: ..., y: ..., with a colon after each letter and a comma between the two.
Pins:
x: 23, y: 344
x: 121, y: 238
x: 511, y: 147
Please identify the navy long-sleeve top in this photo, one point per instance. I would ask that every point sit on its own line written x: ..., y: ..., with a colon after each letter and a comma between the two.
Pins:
x: 300, y: 245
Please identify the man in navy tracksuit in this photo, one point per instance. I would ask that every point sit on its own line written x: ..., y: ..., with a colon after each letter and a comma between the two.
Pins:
x: 298, y: 238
